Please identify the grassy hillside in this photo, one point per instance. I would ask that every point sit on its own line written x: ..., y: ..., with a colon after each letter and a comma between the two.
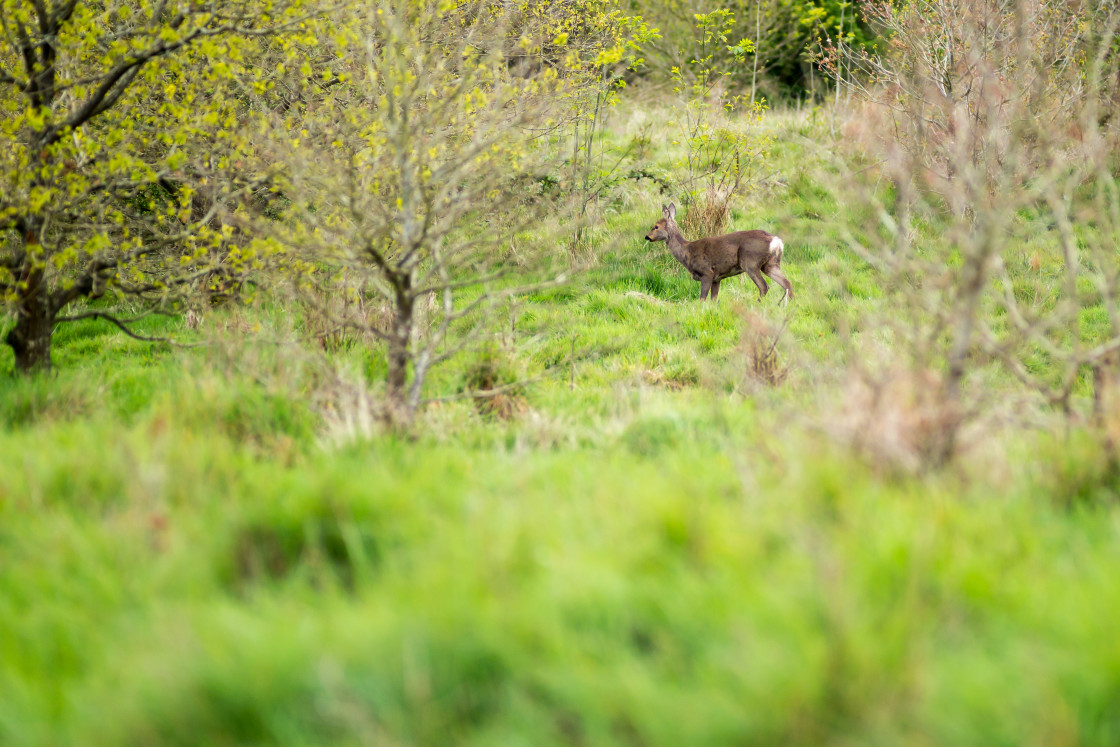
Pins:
x: 638, y: 542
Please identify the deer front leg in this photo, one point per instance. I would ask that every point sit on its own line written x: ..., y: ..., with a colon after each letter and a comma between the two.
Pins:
x: 705, y: 286
x: 760, y: 281
x: 715, y: 289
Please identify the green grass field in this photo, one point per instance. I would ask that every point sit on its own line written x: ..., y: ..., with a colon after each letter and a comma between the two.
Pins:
x: 640, y: 545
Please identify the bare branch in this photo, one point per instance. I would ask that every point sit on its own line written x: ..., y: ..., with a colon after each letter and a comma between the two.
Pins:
x: 122, y: 324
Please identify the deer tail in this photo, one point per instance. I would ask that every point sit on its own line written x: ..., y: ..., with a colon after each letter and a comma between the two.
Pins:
x: 777, y: 247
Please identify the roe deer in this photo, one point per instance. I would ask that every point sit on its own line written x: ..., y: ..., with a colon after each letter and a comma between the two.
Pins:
x: 713, y: 259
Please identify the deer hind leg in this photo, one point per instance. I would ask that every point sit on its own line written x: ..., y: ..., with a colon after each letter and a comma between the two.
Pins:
x: 776, y: 273
x: 760, y: 281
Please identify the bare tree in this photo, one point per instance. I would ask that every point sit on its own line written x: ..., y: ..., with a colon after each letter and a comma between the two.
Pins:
x: 991, y: 131
x: 413, y: 179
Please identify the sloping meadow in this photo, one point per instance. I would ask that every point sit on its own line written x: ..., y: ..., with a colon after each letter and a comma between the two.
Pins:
x: 621, y: 517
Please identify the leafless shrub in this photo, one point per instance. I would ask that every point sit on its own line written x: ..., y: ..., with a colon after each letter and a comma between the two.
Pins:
x: 991, y: 137
x: 500, y: 404
x: 192, y: 319
x: 902, y: 420
x: 495, y: 386
x: 759, y: 347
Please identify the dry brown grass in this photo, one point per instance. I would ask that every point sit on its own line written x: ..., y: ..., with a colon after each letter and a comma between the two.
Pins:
x: 759, y: 348
x: 901, y: 421
x: 350, y: 409
x: 707, y: 215
x: 339, y: 314
x: 495, y: 386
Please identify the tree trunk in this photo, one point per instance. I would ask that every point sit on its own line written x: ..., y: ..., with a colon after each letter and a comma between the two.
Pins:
x: 1106, y: 401
x: 399, y: 355
x: 30, y: 339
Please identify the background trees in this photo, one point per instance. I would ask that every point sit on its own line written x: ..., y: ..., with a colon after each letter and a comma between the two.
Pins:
x: 784, y: 35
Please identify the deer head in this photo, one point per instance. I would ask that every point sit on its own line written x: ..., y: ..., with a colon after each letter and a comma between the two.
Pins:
x: 660, y: 230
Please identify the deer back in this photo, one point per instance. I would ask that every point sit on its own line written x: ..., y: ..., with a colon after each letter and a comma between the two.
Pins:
x: 735, y: 252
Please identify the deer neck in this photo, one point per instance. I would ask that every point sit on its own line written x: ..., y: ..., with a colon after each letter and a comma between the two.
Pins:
x: 677, y: 245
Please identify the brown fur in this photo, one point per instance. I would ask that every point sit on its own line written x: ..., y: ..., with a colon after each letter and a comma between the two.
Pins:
x: 712, y: 259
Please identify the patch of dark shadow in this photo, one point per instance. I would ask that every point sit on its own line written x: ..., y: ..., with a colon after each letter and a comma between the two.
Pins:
x: 567, y: 722
x: 625, y: 731
x: 654, y: 435
x: 642, y: 640
x: 472, y: 684
x: 323, y: 549
x: 1090, y: 482
x: 569, y: 725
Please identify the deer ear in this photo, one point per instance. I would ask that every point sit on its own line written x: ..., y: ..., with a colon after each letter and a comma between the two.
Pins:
x: 671, y: 211
x: 665, y: 210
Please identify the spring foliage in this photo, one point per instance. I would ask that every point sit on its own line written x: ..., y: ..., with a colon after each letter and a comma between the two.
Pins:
x: 129, y: 138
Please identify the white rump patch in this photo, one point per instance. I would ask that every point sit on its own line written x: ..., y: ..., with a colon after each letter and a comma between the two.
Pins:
x: 777, y: 246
